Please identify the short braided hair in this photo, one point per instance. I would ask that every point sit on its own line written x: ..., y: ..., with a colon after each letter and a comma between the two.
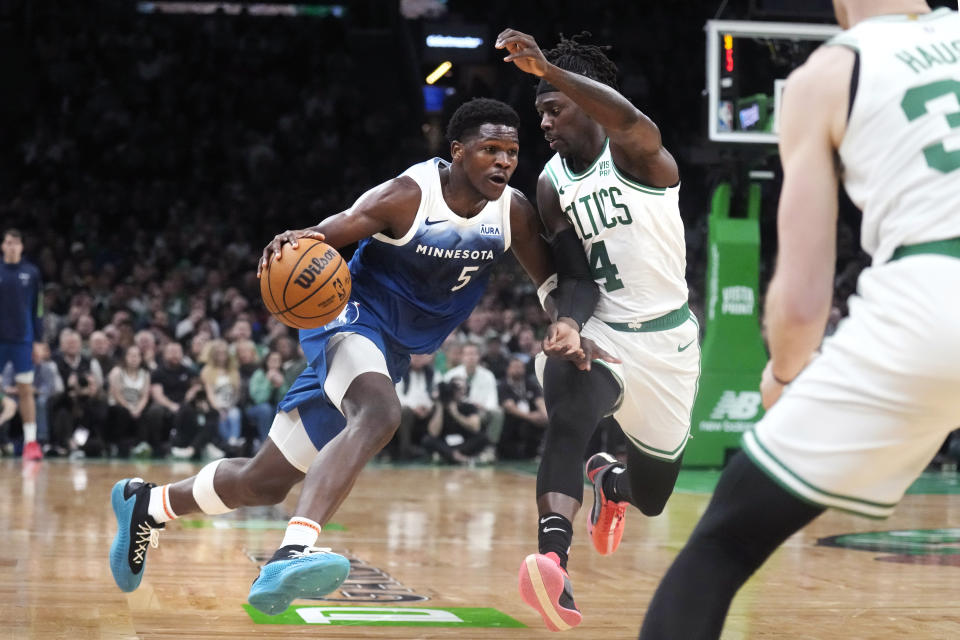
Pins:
x: 585, y: 59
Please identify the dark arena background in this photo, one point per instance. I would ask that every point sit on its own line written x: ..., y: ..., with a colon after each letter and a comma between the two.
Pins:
x: 150, y: 150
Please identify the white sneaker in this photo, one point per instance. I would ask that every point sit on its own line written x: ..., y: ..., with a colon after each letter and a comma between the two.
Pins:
x: 80, y: 436
x: 213, y: 452
x: 182, y: 453
x: 487, y: 456
x: 142, y: 449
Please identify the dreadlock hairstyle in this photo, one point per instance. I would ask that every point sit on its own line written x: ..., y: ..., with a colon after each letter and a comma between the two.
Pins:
x: 585, y: 59
x: 468, y: 118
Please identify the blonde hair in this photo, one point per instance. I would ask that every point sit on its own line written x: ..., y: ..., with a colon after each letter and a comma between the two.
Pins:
x: 211, y: 370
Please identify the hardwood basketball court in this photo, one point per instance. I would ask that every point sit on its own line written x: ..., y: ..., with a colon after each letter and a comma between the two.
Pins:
x: 441, y: 538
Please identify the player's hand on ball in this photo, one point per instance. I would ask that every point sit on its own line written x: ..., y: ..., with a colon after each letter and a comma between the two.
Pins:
x: 274, y: 249
x: 523, y: 50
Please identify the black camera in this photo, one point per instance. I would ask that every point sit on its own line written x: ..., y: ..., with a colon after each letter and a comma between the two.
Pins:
x: 448, y: 391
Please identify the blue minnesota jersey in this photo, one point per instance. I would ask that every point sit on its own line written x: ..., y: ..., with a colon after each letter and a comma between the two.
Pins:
x: 408, y: 294
x: 423, y: 285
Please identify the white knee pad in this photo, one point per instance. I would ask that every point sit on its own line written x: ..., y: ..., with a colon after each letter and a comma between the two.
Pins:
x: 205, y: 495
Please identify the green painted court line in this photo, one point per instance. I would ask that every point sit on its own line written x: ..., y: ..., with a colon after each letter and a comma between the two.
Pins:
x: 388, y: 617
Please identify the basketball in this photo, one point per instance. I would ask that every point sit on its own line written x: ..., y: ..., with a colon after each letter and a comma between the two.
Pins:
x: 308, y: 287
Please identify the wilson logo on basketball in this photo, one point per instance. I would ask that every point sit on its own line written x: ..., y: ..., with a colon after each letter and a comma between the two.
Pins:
x: 316, y: 266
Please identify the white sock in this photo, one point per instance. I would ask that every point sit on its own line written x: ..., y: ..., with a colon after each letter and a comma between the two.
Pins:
x: 159, y: 508
x: 301, y: 532
x: 29, y: 431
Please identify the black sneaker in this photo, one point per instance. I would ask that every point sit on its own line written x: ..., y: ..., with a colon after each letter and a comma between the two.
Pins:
x: 135, y: 530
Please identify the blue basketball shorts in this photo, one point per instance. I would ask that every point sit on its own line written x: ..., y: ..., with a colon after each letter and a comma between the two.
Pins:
x: 310, y: 415
x: 21, y: 355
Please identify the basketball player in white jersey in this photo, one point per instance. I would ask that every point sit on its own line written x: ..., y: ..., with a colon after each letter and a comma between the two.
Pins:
x: 878, y: 107
x: 611, y: 192
x: 428, y: 241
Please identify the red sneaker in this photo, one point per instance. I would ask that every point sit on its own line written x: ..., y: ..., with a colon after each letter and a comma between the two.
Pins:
x: 32, y: 451
x: 606, y: 519
x: 545, y: 586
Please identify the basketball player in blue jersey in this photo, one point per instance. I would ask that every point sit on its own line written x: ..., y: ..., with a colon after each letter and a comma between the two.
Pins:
x: 21, y: 330
x: 428, y: 240
x: 610, y: 192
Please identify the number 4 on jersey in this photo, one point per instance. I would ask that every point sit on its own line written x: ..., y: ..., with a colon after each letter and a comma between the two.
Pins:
x: 603, y: 269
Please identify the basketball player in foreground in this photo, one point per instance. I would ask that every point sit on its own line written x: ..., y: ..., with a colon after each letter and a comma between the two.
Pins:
x: 854, y: 427
x: 611, y: 191
x: 428, y: 240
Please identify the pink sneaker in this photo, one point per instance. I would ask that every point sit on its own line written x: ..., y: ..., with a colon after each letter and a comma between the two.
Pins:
x: 545, y: 586
x: 32, y: 451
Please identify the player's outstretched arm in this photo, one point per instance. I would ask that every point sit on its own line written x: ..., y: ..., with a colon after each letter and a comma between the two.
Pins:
x: 798, y: 302
x: 635, y: 140
x: 389, y: 207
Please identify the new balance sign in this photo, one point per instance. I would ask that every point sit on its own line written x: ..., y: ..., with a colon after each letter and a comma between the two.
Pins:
x: 737, y: 406
x: 735, y: 412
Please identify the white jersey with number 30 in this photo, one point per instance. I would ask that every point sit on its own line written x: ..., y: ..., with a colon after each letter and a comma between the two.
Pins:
x: 901, y: 150
x: 632, y: 235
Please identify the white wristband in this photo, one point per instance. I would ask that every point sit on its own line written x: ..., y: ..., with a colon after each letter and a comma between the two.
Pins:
x: 544, y: 290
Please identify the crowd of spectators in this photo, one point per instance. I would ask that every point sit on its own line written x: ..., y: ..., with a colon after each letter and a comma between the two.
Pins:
x: 139, y: 368
x: 148, y: 159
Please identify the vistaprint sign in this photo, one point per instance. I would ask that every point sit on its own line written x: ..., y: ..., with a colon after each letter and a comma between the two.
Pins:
x: 734, y: 412
x: 737, y: 301
x: 388, y: 617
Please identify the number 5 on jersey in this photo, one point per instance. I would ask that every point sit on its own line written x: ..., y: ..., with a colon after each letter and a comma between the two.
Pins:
x: 465, y: 276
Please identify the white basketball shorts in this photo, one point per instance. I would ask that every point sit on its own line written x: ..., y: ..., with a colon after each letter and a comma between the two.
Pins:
x: 863, y: 420
x: 658, y: 377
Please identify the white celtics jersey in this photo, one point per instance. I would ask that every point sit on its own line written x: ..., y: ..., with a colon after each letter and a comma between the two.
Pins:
x: 901, y: 151
x: 632, y: 234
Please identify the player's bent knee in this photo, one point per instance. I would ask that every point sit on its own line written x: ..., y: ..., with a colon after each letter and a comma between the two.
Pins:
x: 651, y: 509
x: 379, y: 420
x: 272, y: 492
x: 266, y: 485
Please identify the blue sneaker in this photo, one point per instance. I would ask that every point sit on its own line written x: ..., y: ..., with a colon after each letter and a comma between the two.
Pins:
x: 296, y: 572
x: 135, y: 530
